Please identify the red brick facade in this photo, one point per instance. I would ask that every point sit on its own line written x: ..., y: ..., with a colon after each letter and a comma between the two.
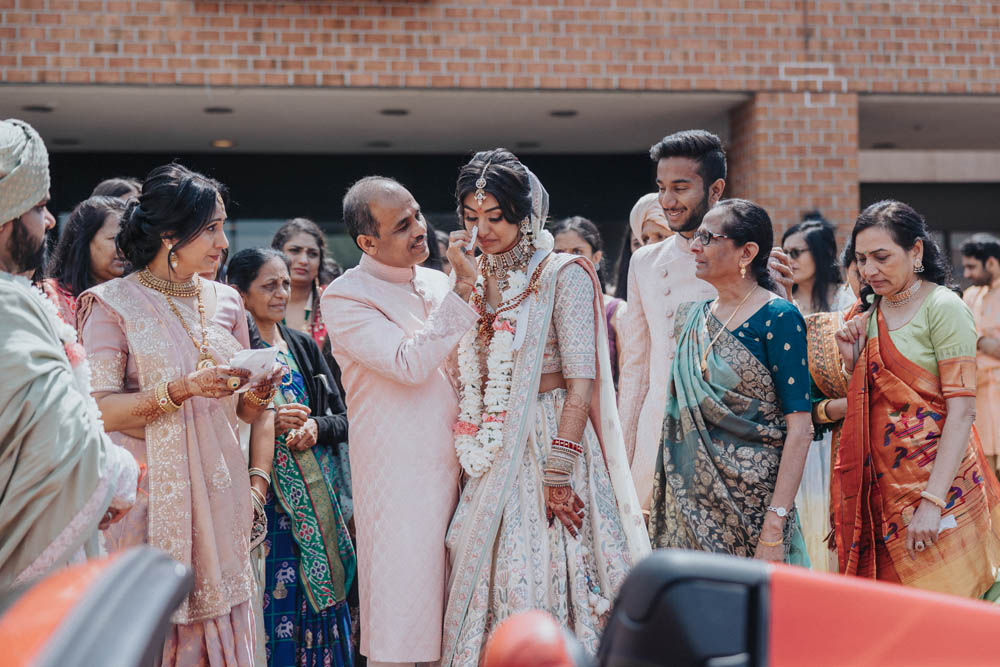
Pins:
x: 792, y: 152
x: 794, y: 144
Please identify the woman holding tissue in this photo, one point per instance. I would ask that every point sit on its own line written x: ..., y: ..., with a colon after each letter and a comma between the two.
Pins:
x: 159, y: 340
x: 916, y: 503
x: 309, y: 558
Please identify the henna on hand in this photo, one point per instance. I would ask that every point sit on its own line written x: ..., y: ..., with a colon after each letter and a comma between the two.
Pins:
x: 146, y: 407
x: 575, y: 414
x: 178, y: 390
x: 563, y: 503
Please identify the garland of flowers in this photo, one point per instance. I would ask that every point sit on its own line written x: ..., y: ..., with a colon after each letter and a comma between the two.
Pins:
x: 75, y: 353
x: 482, y: 413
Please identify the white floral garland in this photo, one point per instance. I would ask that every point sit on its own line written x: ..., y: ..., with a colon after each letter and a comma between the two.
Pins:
x: 75, y: 353
x: 479, y: 429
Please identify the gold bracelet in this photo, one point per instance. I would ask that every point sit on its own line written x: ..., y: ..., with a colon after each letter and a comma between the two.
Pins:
x: 927, y: 495
x: 765, y: 543
x: 258, y: 400
x: 163, y: 398
x: 821, y: 415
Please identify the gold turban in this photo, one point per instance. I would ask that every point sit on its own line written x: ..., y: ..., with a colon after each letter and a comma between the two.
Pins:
x: 24, y: 169
x: 647, y: 208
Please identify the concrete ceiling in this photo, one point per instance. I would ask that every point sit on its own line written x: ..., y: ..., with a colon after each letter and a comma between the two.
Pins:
x: 287, y: 120
x: 929, y: 122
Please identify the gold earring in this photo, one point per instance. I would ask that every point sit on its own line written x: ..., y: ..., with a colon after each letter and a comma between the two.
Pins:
x: 743, y: 270
x: 526, y: 230
x: 171, y: 257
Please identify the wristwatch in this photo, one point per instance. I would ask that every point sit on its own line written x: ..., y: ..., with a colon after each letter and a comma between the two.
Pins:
x: 780, y: 511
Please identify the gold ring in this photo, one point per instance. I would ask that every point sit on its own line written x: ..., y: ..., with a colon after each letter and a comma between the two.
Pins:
x: 233, y: 383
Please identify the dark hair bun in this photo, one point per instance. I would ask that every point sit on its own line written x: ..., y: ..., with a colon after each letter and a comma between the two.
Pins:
x: 175, y: 203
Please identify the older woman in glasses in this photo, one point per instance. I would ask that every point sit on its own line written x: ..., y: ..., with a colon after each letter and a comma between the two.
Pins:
x: 738, y: 423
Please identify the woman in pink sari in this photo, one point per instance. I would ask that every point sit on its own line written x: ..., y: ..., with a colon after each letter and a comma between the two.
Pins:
x: 548, y: 517
x: 159, y: 341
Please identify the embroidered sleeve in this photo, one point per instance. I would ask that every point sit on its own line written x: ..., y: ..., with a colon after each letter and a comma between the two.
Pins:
x: 573, y: 319
x: 363, y: 333
x: 107, y: 348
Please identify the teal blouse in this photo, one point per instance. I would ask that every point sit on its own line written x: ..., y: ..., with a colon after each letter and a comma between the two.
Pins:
x: 776, y: 336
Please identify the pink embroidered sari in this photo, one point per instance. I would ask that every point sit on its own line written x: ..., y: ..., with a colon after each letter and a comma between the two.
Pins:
x: 198, y: 505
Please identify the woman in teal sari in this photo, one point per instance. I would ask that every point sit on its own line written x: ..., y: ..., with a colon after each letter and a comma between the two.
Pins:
x: 309, y: 558
x: 738, y: 422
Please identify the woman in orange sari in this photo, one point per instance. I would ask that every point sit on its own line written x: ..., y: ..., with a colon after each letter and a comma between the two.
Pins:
x: 917, y: 504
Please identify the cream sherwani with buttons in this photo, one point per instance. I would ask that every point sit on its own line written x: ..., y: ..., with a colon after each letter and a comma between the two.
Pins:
x: 391, y: 330
x: 660, y: 278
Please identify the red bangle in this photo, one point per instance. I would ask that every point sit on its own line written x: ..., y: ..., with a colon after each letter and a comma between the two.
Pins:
x: 567, y: 444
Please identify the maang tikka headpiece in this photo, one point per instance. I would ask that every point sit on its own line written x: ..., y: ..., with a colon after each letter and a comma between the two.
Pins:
x: 480, y: 194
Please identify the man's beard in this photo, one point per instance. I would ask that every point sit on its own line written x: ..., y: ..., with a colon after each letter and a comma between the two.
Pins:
x: 26, y: 253
x: 694, y: 220
x: 983, y: 278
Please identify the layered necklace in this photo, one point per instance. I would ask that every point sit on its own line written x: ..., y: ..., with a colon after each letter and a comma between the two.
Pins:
x: 191, y: 288
x: 501, y: 265
x: 483, y: 410
x: 899, y: 298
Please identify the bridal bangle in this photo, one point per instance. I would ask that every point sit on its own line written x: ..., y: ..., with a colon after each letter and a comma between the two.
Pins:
x: 560, y: 462
x: 927, y: 495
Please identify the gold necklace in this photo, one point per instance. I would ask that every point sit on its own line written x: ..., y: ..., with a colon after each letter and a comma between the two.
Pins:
x: 205, y: 358
x: 501, y: 264
x: 704, y: 356
x: 899, y: 298
x: 183, y: 290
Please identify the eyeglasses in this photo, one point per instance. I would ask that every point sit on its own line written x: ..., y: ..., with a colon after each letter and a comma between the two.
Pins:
x: 793, y: 253
x: 706, y: 237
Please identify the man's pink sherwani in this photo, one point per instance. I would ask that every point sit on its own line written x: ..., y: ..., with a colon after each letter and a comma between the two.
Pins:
x: 391, y: 331
x: 660, y: 278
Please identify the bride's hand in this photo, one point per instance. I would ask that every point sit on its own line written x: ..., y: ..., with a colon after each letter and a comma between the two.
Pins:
x: 561, y: 502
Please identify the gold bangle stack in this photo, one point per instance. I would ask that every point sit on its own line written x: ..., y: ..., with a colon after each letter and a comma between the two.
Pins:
x: 259, y: 400
x: 163, y: 400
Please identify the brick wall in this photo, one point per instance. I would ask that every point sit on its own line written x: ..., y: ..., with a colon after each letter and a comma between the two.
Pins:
x: 792, y: 152
x: 837, y: 46
x: 793, y: 145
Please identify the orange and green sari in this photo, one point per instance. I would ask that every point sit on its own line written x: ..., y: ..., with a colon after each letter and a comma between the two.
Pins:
x: 889, y: 442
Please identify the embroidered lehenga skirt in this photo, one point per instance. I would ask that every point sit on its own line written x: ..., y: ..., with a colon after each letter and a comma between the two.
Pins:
x: 535, y: 565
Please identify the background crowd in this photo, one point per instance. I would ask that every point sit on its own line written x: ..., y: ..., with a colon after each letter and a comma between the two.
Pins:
x: 472, y: 424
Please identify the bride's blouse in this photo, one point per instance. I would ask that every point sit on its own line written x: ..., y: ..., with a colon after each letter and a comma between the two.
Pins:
x: 571, y: 345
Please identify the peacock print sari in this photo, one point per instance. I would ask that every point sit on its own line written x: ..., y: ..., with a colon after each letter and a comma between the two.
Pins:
x: 896, y: 413
x: 724, y: 431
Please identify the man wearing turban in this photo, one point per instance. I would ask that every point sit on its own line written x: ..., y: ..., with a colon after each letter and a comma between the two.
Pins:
x: 61, y: 478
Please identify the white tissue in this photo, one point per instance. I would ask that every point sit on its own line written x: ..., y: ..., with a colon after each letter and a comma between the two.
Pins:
x: 260, y: 363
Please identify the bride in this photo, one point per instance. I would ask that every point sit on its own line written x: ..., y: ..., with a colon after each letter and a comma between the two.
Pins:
x: 548, y: 517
